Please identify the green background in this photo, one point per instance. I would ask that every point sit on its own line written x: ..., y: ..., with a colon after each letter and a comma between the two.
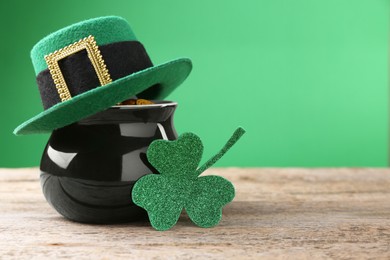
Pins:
x: 307, y: 79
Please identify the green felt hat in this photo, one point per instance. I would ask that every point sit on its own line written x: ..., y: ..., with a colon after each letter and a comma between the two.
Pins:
x: 90, y: 66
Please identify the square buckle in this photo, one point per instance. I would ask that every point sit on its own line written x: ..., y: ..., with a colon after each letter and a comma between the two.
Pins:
x: 89, y: 44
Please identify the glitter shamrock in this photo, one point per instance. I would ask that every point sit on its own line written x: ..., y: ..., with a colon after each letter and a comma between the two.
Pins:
x: 178, y: 186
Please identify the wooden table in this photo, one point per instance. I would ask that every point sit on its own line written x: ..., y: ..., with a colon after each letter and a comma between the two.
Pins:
x: 277, y: 213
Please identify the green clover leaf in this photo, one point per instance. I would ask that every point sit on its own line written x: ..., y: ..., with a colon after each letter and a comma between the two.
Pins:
x: 178, y: 186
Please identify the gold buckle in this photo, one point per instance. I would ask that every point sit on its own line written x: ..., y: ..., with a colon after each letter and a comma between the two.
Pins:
x: 89, y: 44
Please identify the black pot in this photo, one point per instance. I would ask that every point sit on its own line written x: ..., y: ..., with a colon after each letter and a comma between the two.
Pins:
x: 88, y: 168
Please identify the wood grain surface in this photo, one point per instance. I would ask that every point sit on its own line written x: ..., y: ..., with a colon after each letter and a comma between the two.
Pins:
x: 277, y: 214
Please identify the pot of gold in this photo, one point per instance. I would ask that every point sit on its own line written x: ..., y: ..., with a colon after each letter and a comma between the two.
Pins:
x: 88, y: 168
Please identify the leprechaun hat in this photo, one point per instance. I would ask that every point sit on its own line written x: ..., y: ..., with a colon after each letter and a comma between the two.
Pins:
x: 92, y: 65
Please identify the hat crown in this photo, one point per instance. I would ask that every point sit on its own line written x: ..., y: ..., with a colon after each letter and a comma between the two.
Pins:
x: 108, y: 29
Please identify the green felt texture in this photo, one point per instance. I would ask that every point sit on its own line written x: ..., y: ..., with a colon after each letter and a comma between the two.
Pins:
x: 178, y: 186
x: 108, y: 29
x: 169, y: 75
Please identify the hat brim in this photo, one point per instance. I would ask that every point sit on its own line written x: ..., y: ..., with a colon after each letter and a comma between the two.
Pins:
x: 168, y: 76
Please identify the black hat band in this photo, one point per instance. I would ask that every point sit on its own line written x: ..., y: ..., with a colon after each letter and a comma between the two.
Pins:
x: 121, y: 59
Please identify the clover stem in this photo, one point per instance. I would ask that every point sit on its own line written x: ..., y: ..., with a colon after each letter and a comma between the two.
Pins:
x: 235, y: 137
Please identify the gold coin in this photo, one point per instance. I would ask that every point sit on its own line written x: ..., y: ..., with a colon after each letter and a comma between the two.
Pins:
x: 144, y: 102
x: 129, y: 102
x: 136, y: 102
